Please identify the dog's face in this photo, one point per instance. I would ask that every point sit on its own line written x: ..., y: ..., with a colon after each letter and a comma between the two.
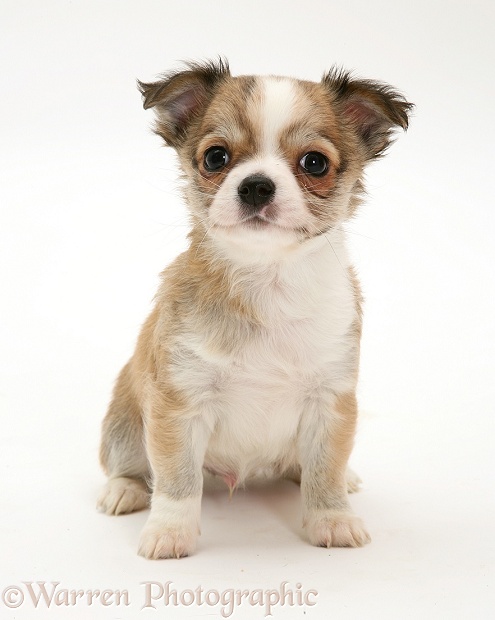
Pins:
x: 272, y: 161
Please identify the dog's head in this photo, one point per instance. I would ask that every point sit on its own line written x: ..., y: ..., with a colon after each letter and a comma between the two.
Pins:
x: 272, y: 161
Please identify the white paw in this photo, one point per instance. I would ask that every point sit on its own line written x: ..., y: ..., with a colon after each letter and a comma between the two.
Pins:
x: 353, y: 481
x: 123, y: 495
x: 172, y: 528
x: 332, y: 528
x: 162, y: 541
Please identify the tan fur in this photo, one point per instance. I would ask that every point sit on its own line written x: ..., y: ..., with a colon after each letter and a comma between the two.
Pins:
x: 342, y: 436
x: 123, y: 424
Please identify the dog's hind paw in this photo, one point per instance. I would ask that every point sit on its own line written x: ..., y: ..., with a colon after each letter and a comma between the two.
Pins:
x: 333, y: 528
x: 123, y: 495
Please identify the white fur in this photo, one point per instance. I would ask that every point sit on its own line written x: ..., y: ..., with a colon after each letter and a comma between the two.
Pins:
x: 279, y: 97
x: 172, y: 527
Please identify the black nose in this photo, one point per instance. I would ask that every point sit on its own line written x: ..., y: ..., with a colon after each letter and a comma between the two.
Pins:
x: 256, y: 190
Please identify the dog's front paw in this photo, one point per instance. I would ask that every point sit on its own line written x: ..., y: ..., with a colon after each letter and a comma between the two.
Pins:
x: 172, y: 528
x: 333, y: 528
x: 162, y: 541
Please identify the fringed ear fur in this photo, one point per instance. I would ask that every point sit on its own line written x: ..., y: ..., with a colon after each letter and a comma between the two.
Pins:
x: 180, y: 97
x: 374, y: 109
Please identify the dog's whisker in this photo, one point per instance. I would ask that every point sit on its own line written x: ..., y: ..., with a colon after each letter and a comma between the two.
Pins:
x: 320, y: 232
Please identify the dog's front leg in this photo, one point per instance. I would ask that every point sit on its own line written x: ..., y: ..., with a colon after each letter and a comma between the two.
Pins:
x: 325, y: 443
x: 176, y: 445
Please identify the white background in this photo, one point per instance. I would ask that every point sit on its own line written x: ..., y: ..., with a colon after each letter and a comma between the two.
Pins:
x: 90, y: 214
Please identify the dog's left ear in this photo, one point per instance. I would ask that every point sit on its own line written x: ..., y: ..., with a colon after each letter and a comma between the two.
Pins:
x: 373, y: 109
x: 181, y: 97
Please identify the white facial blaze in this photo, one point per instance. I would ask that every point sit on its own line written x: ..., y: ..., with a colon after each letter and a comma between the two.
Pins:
x: 277, y: 111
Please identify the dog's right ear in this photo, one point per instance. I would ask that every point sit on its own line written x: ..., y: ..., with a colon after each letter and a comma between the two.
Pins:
x: 181, y: 97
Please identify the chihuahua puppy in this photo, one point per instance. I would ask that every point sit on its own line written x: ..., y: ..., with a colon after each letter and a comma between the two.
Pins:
x: 248, y: 364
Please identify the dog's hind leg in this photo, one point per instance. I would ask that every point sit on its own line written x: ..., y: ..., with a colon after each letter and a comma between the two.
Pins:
x: 122, y: 452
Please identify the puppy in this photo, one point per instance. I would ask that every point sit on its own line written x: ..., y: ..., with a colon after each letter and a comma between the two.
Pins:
x: 248, y: 364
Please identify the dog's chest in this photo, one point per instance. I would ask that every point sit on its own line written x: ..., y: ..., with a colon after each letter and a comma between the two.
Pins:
x: 254, y: 396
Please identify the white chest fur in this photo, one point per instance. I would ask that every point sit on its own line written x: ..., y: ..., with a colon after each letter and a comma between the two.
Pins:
x: 304, y: 350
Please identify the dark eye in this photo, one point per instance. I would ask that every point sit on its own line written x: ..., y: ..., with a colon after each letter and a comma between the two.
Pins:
x: 314, y: 163
x: 215, y: 158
